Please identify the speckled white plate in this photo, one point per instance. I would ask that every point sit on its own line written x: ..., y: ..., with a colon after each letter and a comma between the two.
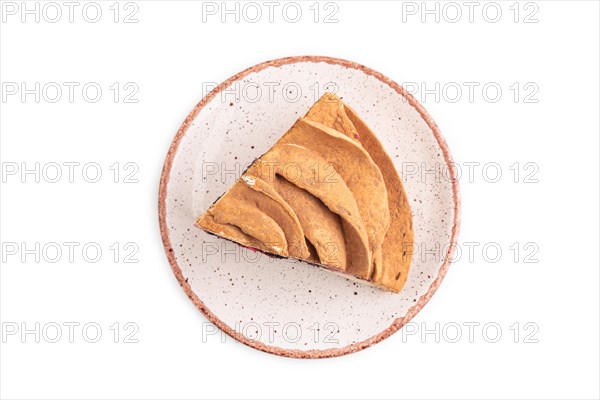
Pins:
x: 288, y: 307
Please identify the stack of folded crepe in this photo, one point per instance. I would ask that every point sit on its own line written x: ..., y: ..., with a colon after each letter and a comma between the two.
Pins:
x: 326, y: 193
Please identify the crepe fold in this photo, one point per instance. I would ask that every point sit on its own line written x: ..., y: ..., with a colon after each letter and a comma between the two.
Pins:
x: 326, y: 193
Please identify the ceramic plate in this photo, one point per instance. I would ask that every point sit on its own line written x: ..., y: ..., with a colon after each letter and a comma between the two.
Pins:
x: 288, y: 307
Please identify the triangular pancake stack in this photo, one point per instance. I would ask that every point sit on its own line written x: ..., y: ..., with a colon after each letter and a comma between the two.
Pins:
x: 326, y: 193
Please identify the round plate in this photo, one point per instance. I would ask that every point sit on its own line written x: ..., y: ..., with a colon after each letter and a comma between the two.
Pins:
x: 287, y: 307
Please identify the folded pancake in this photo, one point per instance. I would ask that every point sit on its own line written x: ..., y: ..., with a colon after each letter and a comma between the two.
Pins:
x: 327, y: 193
x: 263, y: 196
x: 253, y: 222
x: 356, y: 168
x: 304, y: 168
x: 398, y: 243
x: 329, y: 111
x: 322, y: 228
x: 207, y: 221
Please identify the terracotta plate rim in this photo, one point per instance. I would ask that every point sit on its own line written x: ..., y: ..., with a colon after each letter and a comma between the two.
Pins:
x: 333, y: 352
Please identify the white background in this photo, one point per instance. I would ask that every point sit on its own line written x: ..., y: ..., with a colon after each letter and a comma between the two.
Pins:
x: 169, y: 54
